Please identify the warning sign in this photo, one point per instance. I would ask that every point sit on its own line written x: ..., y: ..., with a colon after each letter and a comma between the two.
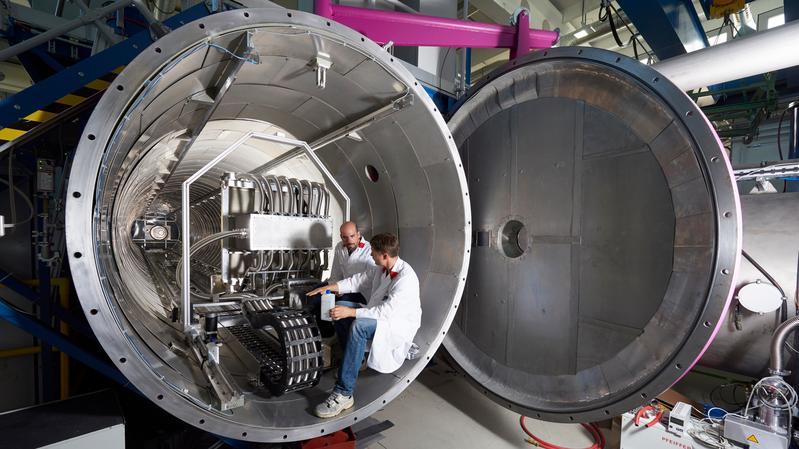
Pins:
x: 752, y: 438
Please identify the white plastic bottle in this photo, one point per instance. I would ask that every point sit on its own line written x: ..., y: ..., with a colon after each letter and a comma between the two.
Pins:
x: 328, y: 302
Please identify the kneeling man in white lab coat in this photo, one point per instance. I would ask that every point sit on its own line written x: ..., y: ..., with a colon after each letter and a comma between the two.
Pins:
x: 390, y: 319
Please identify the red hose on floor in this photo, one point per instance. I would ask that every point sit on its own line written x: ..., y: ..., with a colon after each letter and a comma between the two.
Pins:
x: 599, y: 439
x: 649, y: 408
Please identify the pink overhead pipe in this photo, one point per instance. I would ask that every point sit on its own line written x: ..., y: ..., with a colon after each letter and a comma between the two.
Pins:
x: 418, y: 30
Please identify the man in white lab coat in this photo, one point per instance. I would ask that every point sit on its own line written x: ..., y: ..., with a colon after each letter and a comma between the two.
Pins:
x: 352, y: 255
x: 390, y: 319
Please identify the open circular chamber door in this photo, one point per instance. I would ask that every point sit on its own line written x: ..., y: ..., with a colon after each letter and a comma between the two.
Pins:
x: 275, y: 123
x: 605, y: 239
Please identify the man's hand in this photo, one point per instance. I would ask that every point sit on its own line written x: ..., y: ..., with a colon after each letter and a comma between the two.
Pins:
x: 332, y: 287
x: 340, y: 312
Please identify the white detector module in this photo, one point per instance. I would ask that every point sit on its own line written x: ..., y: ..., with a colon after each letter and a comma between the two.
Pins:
x: 679, y: 418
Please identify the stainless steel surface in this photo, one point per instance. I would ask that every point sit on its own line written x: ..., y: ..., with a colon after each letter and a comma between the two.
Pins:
x: 771, y: 404
x: 281, y: 232
x: 607, y: 235
x: 762, y: 52
x: 331, y: 137
x: 770, y: 237
x: 185, y: 304
x: 781, y: 334
x: 124, y: 171
x: 186, y: 209
x: 222, y: 80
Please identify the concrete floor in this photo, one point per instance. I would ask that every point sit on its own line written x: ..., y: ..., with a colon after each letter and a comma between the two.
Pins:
x: 442, y: 410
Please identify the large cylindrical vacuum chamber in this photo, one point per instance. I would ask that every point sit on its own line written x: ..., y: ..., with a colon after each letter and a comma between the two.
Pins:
x: 261, y: 218
x: 606, y: 235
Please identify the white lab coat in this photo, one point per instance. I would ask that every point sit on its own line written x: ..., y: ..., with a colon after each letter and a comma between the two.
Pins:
x: 396, y: 306
x: 346, y: 264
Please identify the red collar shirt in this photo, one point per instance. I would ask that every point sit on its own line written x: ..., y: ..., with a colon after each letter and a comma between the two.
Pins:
x: 346, y: 264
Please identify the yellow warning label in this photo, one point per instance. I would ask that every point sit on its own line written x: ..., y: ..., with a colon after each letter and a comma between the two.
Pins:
x: 10, y: 134
x: 752, y: 438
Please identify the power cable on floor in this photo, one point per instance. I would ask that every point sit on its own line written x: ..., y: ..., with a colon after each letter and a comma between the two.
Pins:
x: 593, y: 429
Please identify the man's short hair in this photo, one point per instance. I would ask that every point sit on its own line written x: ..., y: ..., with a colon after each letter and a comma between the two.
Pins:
x: 386, y: 243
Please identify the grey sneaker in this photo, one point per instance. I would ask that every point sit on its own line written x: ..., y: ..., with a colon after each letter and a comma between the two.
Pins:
x: 333, y: 405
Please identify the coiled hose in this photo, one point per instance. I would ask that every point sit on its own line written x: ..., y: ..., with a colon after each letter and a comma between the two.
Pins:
x: 599, y: 439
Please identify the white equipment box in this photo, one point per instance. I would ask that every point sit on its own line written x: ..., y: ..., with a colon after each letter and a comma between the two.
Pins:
x: 680, y: 419
x: 655, y: 437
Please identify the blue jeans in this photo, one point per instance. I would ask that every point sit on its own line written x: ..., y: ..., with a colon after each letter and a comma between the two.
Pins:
x: 353, y: 334
x: 314, y: 305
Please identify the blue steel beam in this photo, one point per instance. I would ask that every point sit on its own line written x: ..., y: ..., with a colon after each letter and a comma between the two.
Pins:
x: 791, y: 9
x: 9, y: 281
x: 53, y: 338
x: 670, y: 27
x: 47, y: 91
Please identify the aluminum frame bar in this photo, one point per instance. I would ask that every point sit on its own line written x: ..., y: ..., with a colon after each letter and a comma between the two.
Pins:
x: 225, y: 78
x: 339, y: 133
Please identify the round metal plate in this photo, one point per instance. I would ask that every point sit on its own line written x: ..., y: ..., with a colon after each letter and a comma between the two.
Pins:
x: 759, y: 297
x: 633, y: 225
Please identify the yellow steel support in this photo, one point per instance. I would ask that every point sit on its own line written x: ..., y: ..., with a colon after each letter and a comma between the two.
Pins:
x: 19, y: 352
x: 63, y: 300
